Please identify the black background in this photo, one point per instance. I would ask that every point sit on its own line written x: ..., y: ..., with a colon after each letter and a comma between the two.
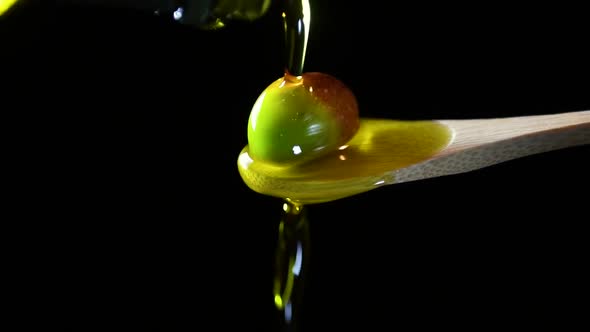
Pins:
x: 129, y: 212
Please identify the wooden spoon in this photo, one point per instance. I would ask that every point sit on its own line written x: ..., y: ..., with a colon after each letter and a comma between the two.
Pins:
x: 386, y: 152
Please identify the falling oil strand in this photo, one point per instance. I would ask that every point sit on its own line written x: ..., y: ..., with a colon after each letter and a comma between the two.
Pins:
x: 292, y: 251
x: 291, y: 261
x: 296, y: 19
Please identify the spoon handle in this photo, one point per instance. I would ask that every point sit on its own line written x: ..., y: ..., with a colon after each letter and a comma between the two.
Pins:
x: 485, y: 142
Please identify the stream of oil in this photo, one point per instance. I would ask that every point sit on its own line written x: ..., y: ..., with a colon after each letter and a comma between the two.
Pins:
x: 292, y: 252
x: 379, y: 147
x: 291, y: 264
x: 296, y: 20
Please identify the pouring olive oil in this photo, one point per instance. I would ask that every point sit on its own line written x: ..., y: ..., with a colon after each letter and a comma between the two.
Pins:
x: 306, y: 127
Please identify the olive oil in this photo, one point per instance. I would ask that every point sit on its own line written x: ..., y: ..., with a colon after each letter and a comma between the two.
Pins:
x: 367, y: 162
x: 5, y: 5
x: 296, y: 19
x: 292, y: 257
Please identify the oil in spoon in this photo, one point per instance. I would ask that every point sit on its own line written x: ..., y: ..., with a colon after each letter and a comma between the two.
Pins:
x: 368, y: 161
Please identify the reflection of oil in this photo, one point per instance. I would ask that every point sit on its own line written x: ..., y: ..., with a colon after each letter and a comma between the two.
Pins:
x: 367, y: 161
x: 5, y: 5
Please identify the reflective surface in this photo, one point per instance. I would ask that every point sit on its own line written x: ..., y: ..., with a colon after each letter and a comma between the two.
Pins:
x: 368, y: 161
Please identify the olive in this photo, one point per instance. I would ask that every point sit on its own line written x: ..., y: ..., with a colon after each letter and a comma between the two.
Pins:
x: 296, y: 119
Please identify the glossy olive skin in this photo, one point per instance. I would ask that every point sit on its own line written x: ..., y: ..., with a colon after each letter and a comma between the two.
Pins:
x: 298, y: 119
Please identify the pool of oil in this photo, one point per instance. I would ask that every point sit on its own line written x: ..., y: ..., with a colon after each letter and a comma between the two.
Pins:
x: 368, y: 161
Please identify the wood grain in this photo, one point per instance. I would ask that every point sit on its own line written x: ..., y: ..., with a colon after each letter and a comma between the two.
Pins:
x: 485, y: 142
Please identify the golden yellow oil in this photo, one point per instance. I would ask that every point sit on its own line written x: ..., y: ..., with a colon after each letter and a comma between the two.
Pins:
x: 296, y: 21
x: 369, y: 160
x: 5, y: 5
x: 291, y: 258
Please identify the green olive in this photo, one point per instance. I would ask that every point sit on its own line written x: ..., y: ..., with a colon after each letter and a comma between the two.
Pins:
x: 296, y: 119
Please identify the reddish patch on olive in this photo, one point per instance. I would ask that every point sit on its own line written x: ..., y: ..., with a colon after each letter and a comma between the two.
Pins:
x: 338, y: 99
